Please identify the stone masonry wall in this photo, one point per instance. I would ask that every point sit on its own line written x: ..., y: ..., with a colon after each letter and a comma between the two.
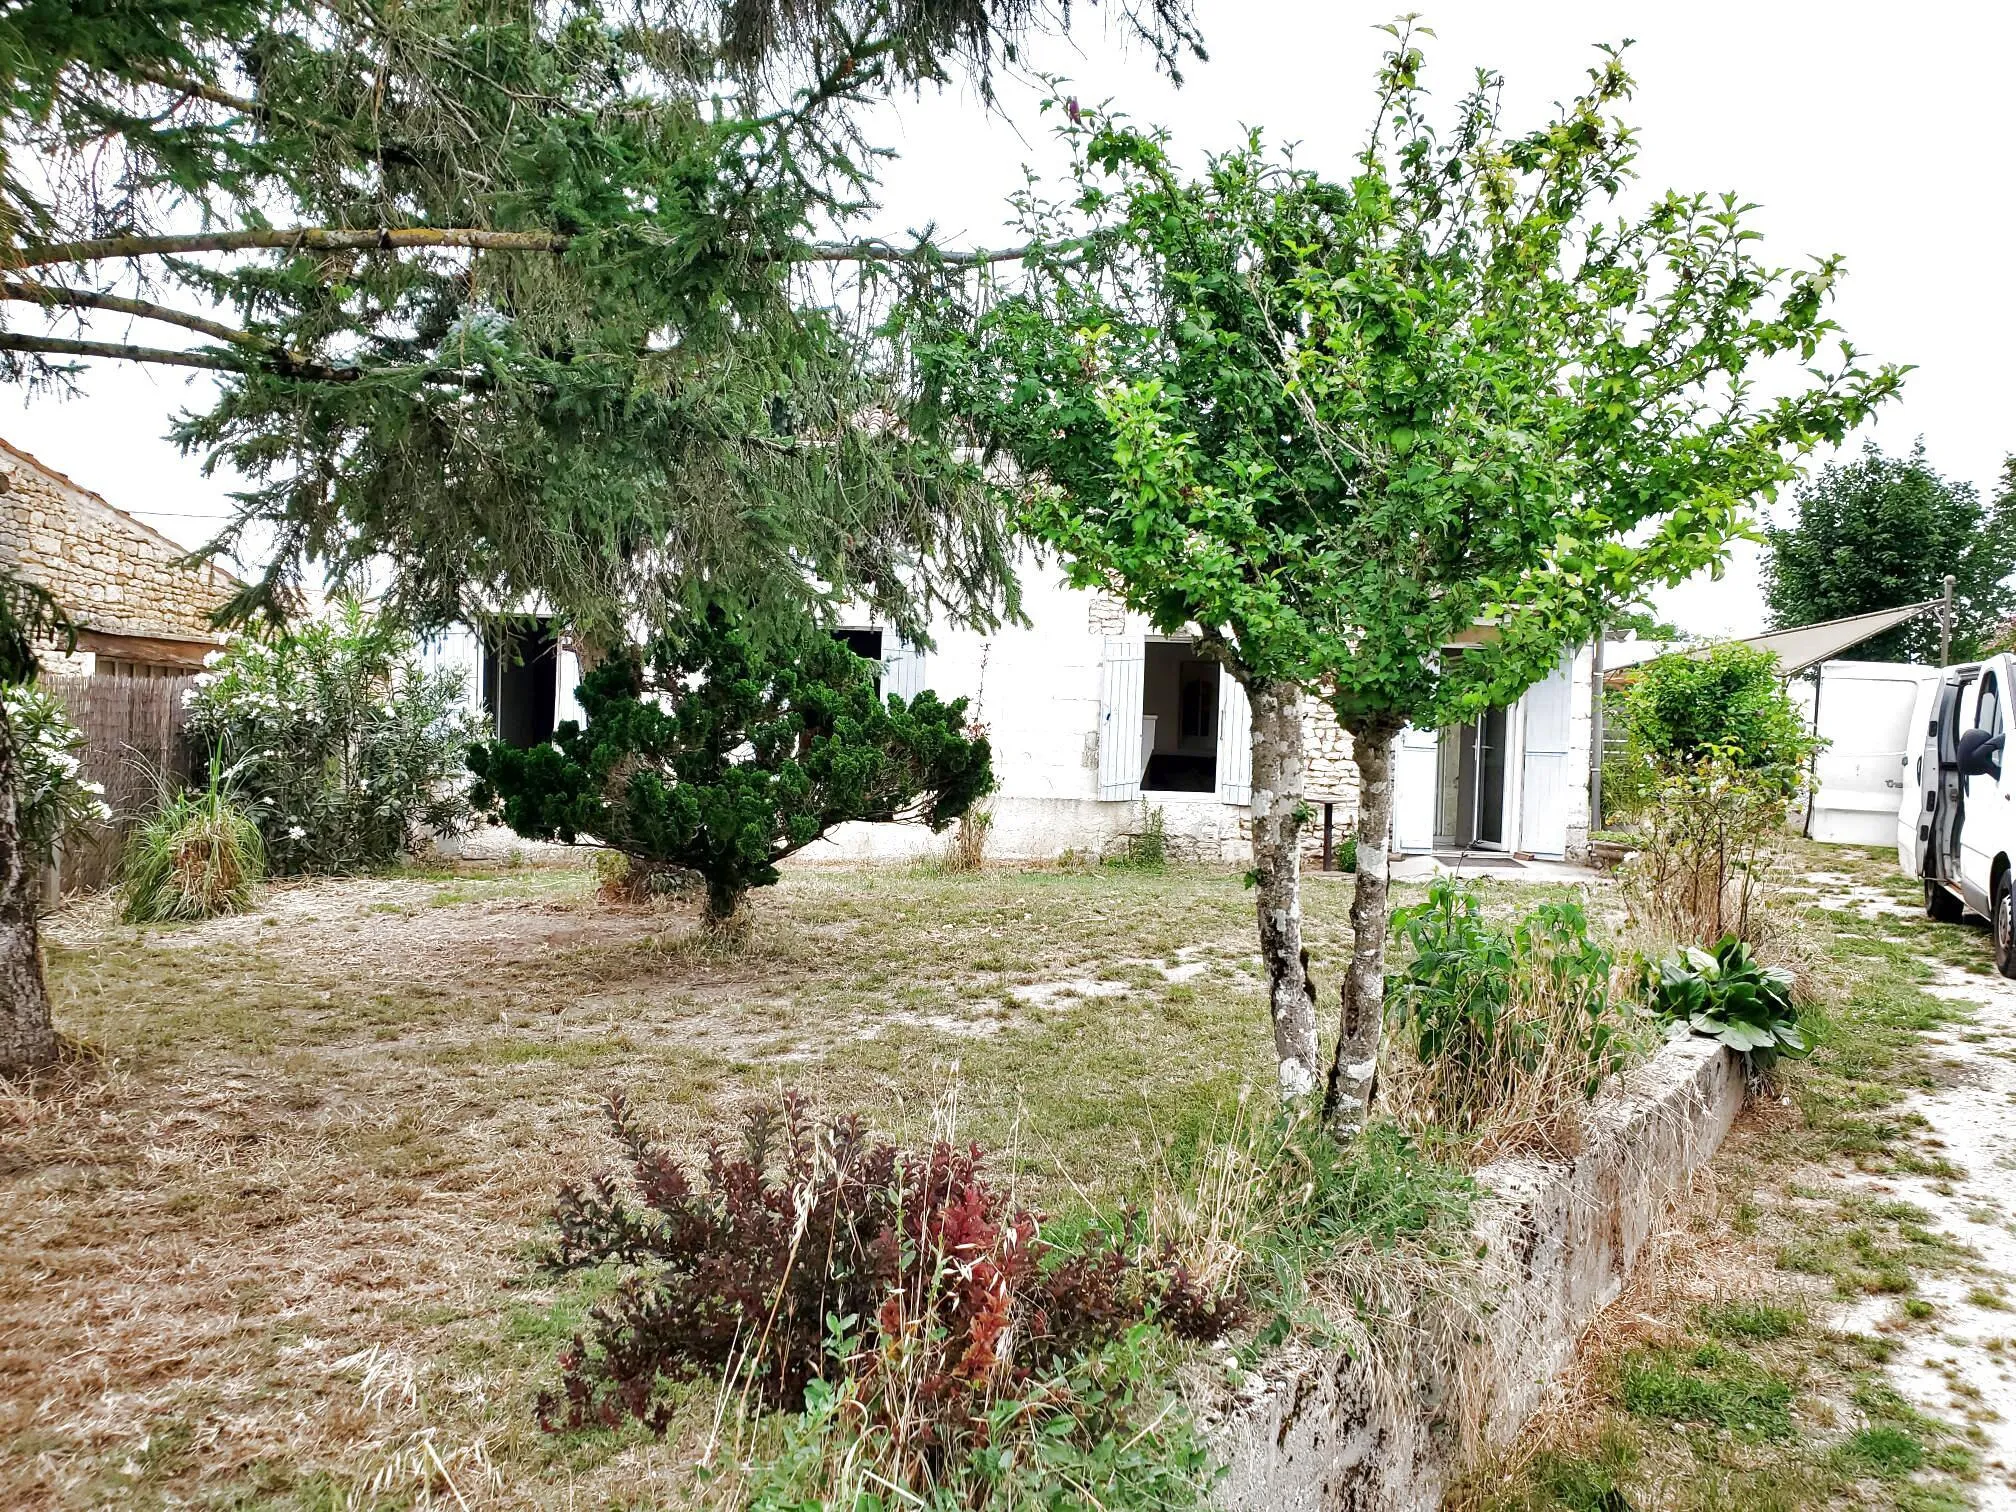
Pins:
x: 110, y: 572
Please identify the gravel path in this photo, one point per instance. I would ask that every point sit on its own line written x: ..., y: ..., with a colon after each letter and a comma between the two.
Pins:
x: 1968, y: 1369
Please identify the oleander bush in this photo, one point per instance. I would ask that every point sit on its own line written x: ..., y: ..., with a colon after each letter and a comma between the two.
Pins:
x: 348, y: 749
x: 54, y: 801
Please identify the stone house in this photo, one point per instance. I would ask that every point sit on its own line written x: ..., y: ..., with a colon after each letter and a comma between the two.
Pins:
x: 141, y: 611
x: 1096, y: 721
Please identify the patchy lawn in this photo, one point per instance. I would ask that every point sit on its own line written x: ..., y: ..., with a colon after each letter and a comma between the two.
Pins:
x: 276, y: 1249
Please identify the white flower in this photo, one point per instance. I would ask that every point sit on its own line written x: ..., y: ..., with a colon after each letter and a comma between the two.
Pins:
x: 93, y: 787
x: 295, y: 832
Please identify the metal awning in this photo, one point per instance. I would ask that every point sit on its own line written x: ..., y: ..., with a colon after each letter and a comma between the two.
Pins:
x: 1806, y: 646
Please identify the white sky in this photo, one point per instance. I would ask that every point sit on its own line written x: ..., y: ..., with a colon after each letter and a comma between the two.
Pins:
x: 1881, y: 132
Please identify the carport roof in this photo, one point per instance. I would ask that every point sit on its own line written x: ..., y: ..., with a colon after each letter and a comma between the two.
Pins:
x: 1804, y: 646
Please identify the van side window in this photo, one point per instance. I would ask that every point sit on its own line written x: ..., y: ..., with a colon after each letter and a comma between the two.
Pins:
x: 1988, y: 712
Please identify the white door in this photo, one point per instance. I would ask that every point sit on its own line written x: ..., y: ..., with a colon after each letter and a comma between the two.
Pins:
x: 1986, y: 822
x: 566, y: 705
x: 1864, y: 716
x: 1235, y: 741
x: 1120, y: 717
x: 458, y: 650
x: 1544, y: 775
x: 1918, y: 781
x: 1414, y: 768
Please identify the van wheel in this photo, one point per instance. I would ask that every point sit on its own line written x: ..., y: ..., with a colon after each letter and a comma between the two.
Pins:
x: 2005, y: 926
x: 1941, y: 906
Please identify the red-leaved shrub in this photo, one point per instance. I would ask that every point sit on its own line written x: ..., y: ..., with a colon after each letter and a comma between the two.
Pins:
x: 930, y: 1274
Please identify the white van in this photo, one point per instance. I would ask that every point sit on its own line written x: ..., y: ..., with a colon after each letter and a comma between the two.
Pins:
x: 1956, y: 827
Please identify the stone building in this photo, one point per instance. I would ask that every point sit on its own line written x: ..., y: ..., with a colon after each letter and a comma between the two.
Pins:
x: 1097, y: 722
x: 141, y: 611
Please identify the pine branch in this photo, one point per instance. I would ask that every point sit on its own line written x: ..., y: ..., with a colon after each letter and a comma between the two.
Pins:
x: 29, y: 292
x: 287, y: 239
x: 329, y: 239
x: 198, y: 89
x: 59, y: 346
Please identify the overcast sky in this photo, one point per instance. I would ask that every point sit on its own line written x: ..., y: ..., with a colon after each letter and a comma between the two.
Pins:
x: 1882, y: 133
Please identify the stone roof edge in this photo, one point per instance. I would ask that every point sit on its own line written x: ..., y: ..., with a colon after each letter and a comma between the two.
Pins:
x: 92, y: 494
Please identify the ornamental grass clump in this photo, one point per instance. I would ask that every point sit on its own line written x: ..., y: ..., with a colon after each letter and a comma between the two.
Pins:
x: 887, y: 1302
x: 198, y: 856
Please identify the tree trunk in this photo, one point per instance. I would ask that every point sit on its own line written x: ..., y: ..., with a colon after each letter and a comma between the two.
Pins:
x: 1354, y: 1074
x: 27, y: 1036
x: 1277, y: 869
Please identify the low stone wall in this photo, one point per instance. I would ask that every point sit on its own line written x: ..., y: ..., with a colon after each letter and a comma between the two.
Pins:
x: 1557, y: 1241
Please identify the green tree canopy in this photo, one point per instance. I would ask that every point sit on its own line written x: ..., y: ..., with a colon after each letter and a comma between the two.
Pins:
x: 1880, y: 532
x: 1345, y: 427
x: 1678, y: 710
x: 720, y: 754
x: 517, y: 300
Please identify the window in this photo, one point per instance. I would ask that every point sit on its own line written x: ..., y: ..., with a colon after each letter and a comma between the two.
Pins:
x: 521, y: 682
x: 1988, y: 712
x: 866, y: 644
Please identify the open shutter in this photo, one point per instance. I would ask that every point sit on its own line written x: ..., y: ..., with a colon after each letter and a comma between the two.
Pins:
x: 457, y: 650
x: 1235, y: 741
x: 567, y: 672
x: 1414, y: 790
x: 1543, y: 808
x: 902, y: 667
x: 1120, y: 717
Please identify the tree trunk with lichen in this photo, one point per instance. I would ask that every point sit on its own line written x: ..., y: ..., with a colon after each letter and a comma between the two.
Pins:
x: 27, y: 1035
x: 1354, y: 1073
x: 1278, y: 774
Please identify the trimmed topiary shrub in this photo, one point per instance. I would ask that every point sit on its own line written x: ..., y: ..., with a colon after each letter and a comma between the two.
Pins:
x: 715, y: 753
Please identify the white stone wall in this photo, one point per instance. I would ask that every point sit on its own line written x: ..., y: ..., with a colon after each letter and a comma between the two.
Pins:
x: 1037, y: 689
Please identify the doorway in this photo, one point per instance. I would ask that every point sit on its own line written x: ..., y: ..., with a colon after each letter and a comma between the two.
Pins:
x: 1179, y: 719
x: 521, y: 682
x: 1472, y: 768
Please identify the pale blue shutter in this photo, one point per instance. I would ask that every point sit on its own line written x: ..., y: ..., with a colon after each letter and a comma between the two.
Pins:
x: 1120, y: 717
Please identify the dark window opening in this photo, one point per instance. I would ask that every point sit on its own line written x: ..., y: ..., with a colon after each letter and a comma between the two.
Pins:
x: 1471, y: 771
x: 866, y: 644
x: 521, y: 682
x: 1179, y: 720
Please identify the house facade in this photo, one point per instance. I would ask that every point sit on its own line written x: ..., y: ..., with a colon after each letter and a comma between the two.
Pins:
x: 141, y: 610
x: 1096, y: 720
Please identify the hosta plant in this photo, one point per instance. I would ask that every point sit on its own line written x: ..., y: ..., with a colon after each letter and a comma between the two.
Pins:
x: 1726, y: 995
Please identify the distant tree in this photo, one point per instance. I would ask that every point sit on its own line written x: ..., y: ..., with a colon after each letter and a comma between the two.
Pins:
x: 1342, y: 428
x: 716, y: 753
x: 1881, y: 532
